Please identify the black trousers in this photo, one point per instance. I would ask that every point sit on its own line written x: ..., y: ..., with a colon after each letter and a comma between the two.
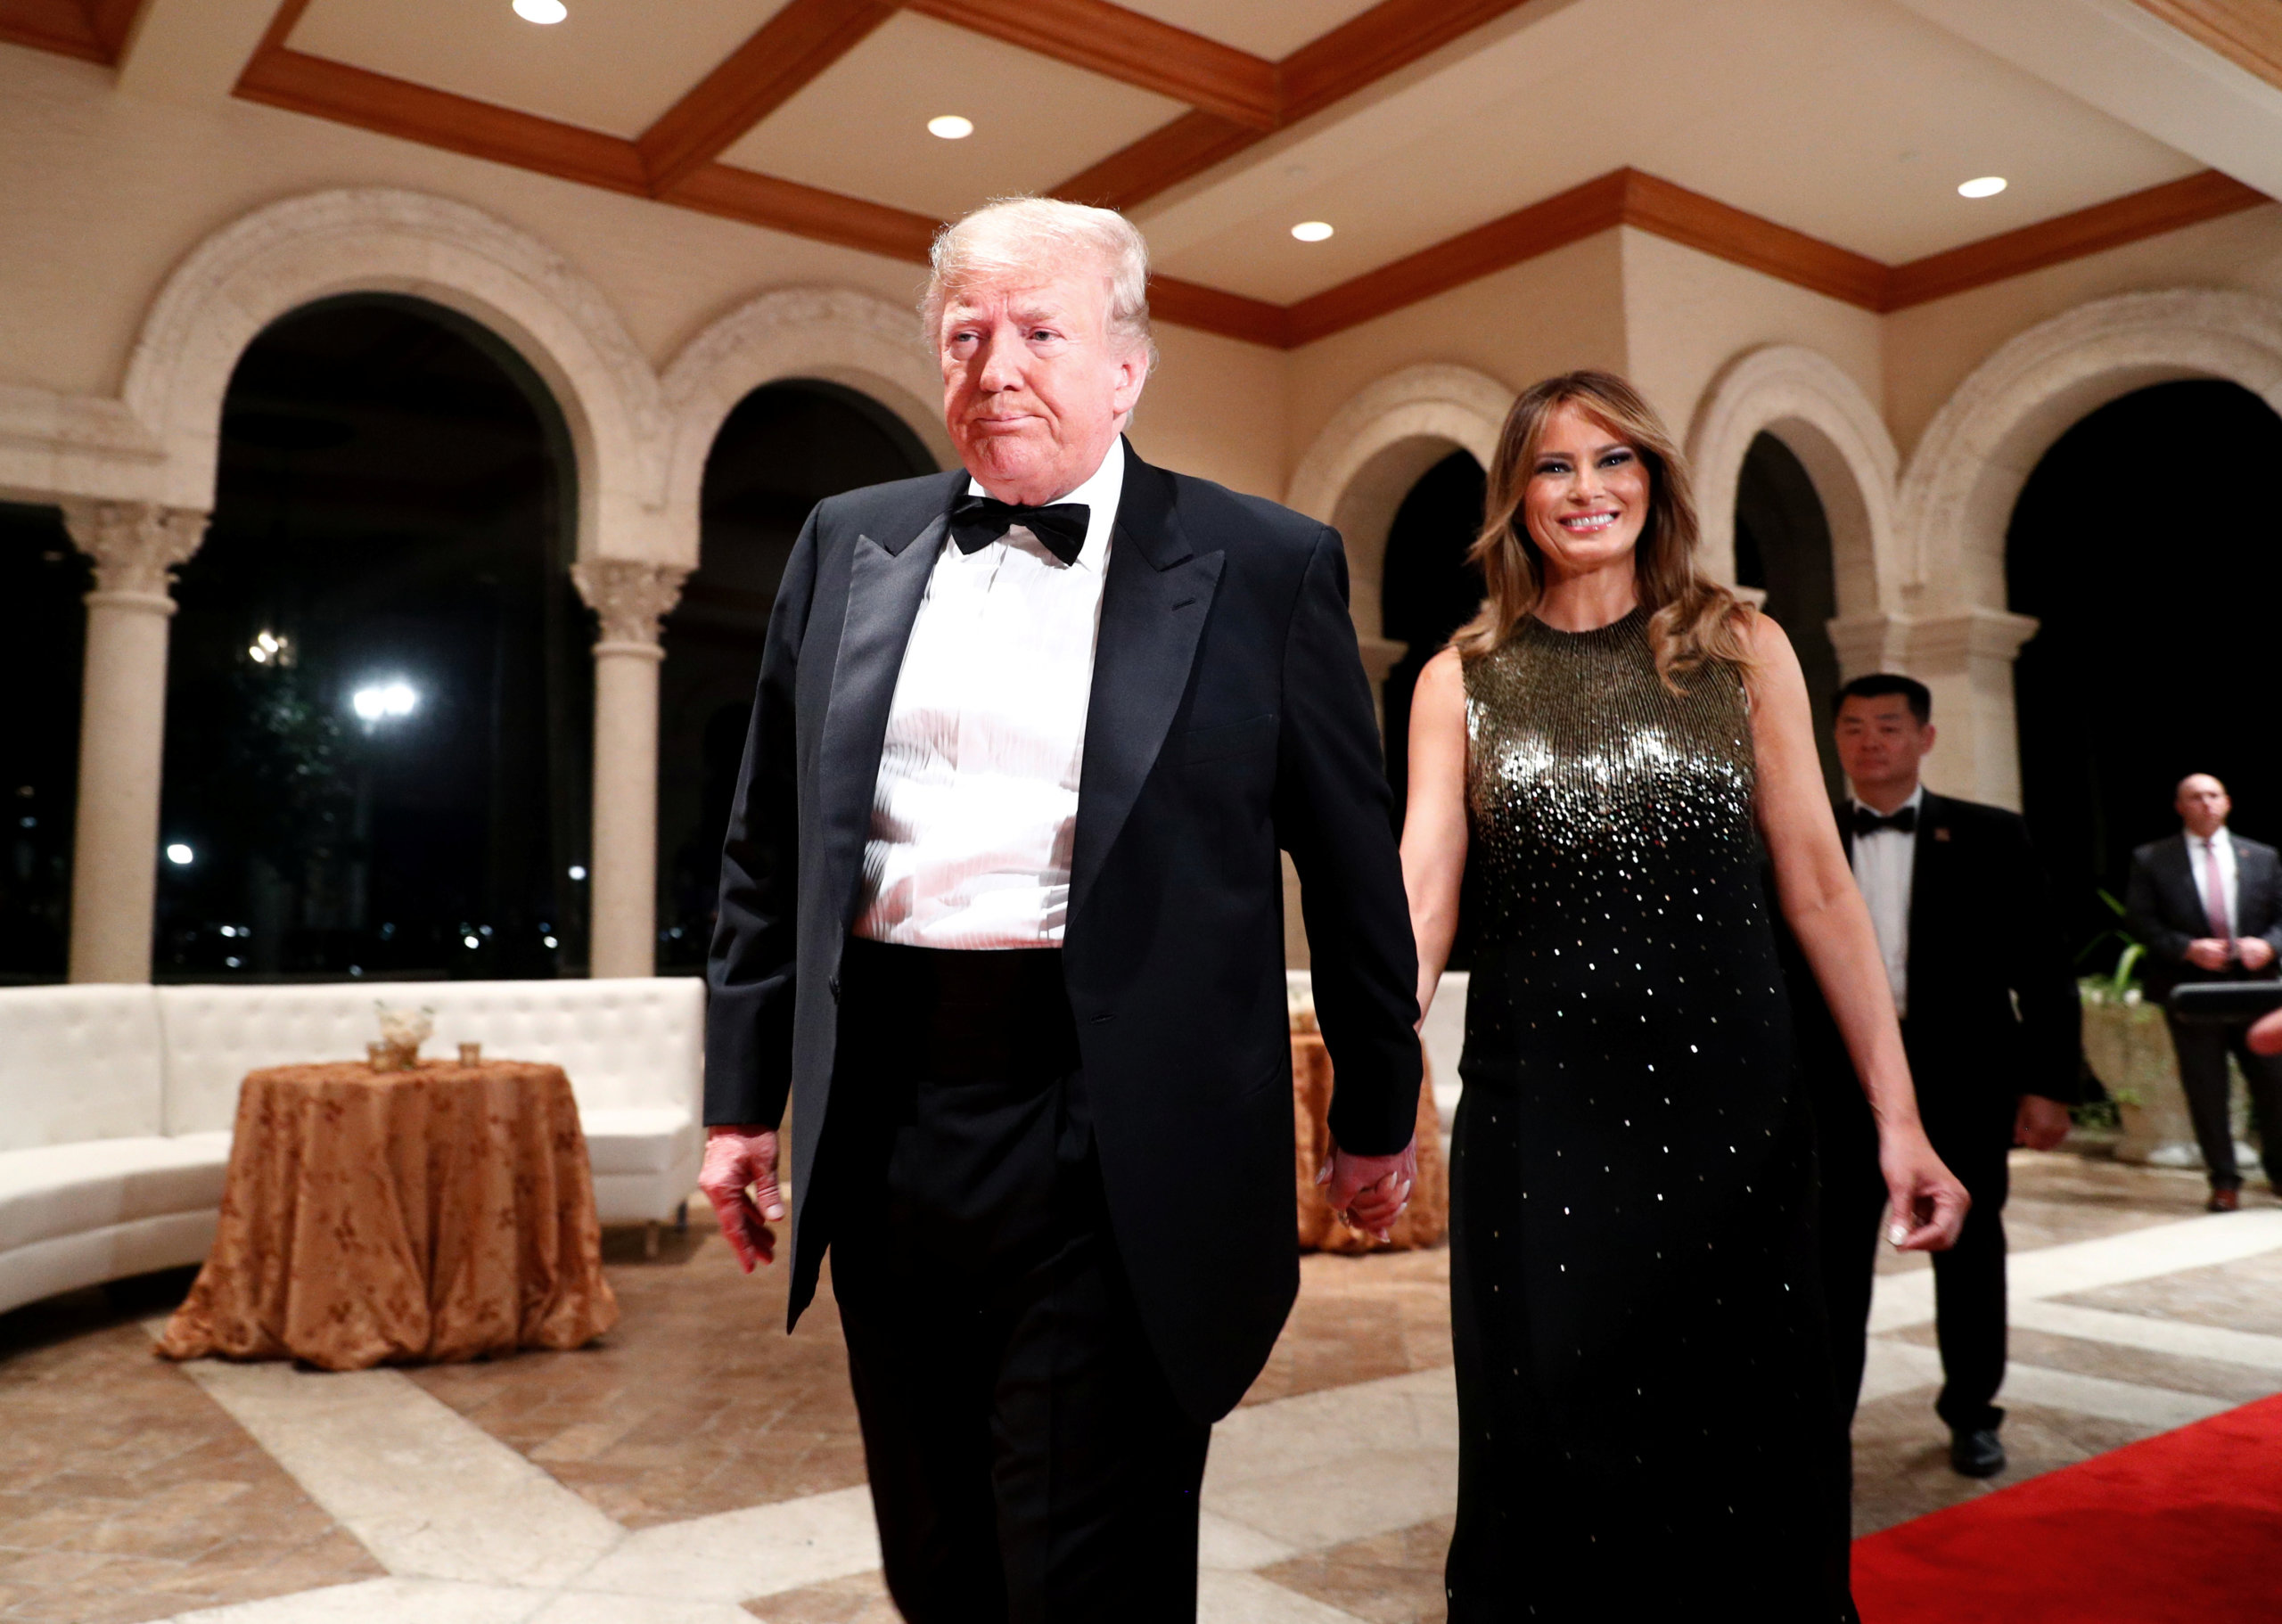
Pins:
x: 2202, y: 1052
x: 1028, y: 1462
x: 1974, y: 1141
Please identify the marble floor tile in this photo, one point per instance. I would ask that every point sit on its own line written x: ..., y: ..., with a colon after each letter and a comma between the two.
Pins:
x: 732, y: 1557
x: 861, y: 1599
x: 126, y: 1494
x: 428, y: 1495
x: 383, y: 1601
x: 1394, y: 1577
x: 1901, y: 1456
x: 1247, y: 1598
x: 2244, y: 1294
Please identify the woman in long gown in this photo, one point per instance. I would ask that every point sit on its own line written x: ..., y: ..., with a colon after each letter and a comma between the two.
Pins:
x: 1602, y: 764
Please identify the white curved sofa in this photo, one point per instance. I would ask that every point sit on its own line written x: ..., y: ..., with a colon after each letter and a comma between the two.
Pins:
x: 116, y: 1103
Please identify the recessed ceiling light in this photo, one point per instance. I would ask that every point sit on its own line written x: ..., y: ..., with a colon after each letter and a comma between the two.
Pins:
x: 1312, y: 231
x: 1988, y: 185
x: 950, y: 127
x: 541, y: 11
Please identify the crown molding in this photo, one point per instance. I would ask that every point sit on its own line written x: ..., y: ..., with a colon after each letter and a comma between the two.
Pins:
x: 93, y: 30
x: 2248, y: 33
x: 2167, y: 207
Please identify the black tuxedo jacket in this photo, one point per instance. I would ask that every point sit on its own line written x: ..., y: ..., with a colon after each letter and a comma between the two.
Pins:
x: 2164, y: 903
x: 1983, y: 945
x: 1230, y: 716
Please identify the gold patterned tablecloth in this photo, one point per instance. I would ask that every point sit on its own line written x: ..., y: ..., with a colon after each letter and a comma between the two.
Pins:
x: 1421, y: 1223
x: 371, y: 1217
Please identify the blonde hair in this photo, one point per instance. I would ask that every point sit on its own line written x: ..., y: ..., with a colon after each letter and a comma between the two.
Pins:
x: 1025, y: 236
x: 1693, y: 621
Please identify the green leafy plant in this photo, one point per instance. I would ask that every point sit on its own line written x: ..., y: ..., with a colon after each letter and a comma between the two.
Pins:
x: 2120, y: 983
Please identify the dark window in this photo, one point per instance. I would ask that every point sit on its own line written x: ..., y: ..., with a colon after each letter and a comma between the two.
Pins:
x: 1427, y: 590
x: 786, y: 447
x: 379, y: 687
x: 1783, y: 547
x: 2155, y: 655
x: 42, y: 580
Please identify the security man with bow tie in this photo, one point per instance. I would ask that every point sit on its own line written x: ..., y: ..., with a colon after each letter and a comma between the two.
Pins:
x: 1991, y: 1020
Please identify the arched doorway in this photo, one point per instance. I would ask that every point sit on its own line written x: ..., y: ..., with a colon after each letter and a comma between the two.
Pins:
x: 1426, y: 590
x: 785, y: 447
x: 379, y: 691
x: 2154, y: 653
x: 42, y: 580
x: 1783, y: 548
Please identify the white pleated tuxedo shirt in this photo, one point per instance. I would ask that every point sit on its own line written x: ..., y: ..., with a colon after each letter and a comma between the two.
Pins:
x: 976, y: 802
x: 1886, y: 867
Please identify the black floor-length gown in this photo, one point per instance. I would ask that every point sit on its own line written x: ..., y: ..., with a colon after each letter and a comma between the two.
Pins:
x: 1648, y: 1431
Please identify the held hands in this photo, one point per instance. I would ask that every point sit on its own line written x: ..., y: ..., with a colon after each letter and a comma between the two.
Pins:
x: 739, y: 1177
x: 1369, y: 1192
x: 1928, y: 1203
x: 2255, y: 952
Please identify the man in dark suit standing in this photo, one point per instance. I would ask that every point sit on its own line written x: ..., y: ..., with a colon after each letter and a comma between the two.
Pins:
x: 1990, y: 1018
x: 1001, y: 912
x: 2208, y: 905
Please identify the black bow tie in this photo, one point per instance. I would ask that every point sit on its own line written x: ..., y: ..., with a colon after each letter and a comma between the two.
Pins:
x: 977, y: 521
x: 1866, y: 822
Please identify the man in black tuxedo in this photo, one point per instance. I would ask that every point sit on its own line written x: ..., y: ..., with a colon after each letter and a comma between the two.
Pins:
x: 1001, y: 912
x: 2208, y: 906
x: 1990, y: 1018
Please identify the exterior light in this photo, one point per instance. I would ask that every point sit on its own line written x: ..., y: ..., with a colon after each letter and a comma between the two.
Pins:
x: 550, y: 942
x: 950, y: 127
x: 385, y: 701
x: 1312, y: 231
x: 268, y: 648
x: 179, y: 855
x: 470, y: 941
x: 577, y: 871
x: 1988, y: 185
x: 541, y: 11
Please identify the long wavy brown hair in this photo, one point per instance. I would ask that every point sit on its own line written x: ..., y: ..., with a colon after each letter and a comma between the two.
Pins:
x: 1693, y: 621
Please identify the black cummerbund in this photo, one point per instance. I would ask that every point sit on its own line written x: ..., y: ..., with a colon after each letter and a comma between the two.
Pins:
x: 966, y: 1015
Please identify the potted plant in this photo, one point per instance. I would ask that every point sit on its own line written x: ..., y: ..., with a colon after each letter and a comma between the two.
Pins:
x: 2128, y: 1046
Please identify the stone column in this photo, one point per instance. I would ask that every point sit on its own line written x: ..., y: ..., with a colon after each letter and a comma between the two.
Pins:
x: 1966, y: 659
x: 631, y: 597
x: 122, y: 729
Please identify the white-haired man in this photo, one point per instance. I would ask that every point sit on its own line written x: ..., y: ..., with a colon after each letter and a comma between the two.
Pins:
x: 1001, y: 912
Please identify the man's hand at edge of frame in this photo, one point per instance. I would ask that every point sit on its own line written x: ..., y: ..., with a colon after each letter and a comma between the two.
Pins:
x: 739, y: 1177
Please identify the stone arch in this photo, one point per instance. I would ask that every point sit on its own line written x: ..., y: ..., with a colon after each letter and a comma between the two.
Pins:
x: 1370, y: 454
x: 1956, y: 499
x: 1805, y: 400
x: 1957, y: 493
x: 838, y: 334
x: 380, y: 239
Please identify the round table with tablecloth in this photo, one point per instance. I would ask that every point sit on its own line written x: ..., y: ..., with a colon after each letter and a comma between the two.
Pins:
x: 439, y: 1213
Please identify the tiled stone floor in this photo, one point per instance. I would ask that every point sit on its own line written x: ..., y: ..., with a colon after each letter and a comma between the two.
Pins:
x: 128, y: 1491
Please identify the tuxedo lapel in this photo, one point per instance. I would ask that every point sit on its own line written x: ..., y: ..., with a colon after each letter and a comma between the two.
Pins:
x: 1932, y: 859
x: 1154, y: 608
x: 885, y: 584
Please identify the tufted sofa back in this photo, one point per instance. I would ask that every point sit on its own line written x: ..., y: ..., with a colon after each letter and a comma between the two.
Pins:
x: 624, y: 1043
x: 77, y: 1062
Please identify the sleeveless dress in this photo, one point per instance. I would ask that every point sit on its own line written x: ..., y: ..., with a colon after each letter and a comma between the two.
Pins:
x: 1648, y: 1430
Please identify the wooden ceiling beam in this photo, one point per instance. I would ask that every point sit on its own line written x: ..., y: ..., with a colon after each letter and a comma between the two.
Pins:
x: 65, y: 27
x: 1352, y: 57
x: 326, y: 89
x: 1743, y: 238
x: 1128, y: 46
x: 113, y: 21
x: 2248, y: 33
x: 783, y: 56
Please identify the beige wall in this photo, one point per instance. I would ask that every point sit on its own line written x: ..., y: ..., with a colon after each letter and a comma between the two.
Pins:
x: 1688, y: 314
x: 1564, y: 309
x: 1215, y: 407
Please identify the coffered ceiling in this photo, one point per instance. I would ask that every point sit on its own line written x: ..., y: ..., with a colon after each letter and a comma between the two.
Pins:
x: 1822, y: 141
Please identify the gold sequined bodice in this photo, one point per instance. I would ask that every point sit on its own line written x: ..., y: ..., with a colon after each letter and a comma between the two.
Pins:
x: 1589, y: 780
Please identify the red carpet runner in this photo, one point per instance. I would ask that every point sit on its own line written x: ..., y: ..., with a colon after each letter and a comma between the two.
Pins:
x: 2186, y: 1526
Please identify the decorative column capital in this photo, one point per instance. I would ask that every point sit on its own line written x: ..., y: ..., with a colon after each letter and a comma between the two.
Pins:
x: 1952, y: 642
x: 137, y: 548
x: 632, y: 596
